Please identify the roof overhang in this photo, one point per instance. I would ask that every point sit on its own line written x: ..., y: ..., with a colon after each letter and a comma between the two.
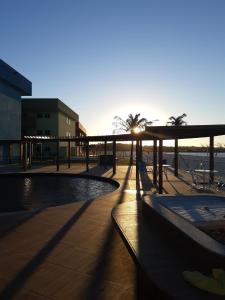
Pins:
x: 184, y: 132
x: 15, y: 79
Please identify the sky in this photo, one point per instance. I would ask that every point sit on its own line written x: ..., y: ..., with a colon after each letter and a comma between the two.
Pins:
x: 107, y: 58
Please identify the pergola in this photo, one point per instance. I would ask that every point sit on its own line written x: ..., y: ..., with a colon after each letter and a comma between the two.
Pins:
x: 152, y: 133
x: 161, y: 133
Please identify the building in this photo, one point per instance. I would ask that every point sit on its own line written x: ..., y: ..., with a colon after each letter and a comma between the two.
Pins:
x: 13, y: 85
x: 80, y: 132
x: 49, y: 117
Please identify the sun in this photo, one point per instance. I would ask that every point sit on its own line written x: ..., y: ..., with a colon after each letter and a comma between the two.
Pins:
x: 136, y: 130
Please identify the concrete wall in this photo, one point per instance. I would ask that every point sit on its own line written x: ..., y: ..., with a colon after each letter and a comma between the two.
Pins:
x: 10, y: 117
x: 31, y: 123
x: 65, y: 127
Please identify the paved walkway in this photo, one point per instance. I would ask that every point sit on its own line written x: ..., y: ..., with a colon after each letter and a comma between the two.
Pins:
x: 70, y: 251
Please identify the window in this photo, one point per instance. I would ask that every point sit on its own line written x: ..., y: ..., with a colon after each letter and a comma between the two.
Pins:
x: 39, y: 116
x: 47, y: 132
x: 67, y: 133
x: 47, y: 116
x: 39, y: 132
x: 67, y: 120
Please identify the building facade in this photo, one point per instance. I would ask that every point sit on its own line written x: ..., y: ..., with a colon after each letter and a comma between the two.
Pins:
x: 13, y: 85
x: 48, y: 117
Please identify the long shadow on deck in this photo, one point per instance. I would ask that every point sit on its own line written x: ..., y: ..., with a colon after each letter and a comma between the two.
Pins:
x: 105, y: 254
x: 18, y: 281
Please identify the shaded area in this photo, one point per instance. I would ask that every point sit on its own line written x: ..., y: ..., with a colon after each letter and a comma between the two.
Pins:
x: 105, y: 275
x: 161, y: 253
x: 105, y: 254
x: 19, y: 280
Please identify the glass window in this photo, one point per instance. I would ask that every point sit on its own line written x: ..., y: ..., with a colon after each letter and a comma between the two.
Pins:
x: 47, y: 116
x: 67, y: 120
x: 39, y: 116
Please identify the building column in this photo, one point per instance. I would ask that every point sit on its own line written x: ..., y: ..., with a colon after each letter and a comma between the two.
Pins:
x: 160, y: 166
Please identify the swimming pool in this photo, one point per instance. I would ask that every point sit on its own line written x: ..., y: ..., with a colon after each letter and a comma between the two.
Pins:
x: 25, y: 192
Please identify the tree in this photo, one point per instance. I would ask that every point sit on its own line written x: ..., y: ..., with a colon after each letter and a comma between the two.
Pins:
x: 133, y: 124
x: 177, y: 121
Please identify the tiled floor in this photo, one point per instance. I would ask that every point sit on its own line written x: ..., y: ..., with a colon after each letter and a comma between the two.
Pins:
x: 72, y: 251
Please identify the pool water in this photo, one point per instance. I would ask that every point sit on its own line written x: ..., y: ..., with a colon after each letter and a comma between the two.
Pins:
x: 32, y: 192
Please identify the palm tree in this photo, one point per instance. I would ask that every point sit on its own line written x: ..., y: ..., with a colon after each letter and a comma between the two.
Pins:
x: 176, y: 121
x: 132, y: 124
